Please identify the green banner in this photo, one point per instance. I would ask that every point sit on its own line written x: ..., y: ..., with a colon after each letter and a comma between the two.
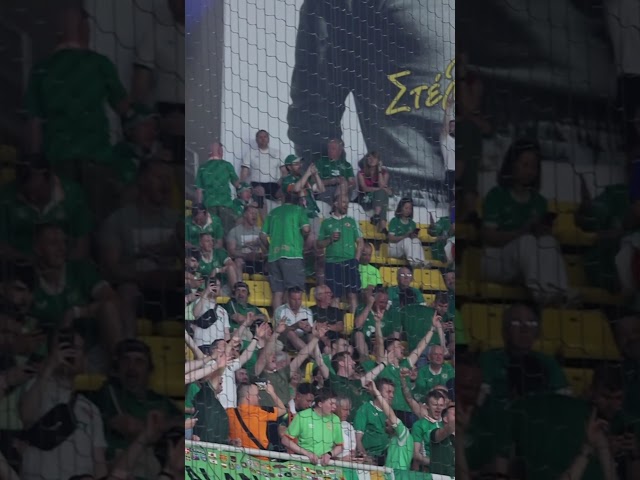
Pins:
x: 204, y: 463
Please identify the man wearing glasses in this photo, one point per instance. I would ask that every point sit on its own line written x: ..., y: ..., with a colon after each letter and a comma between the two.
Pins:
x: 404, y: 294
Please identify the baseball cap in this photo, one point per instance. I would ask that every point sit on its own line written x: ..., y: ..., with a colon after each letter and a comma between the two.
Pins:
x: 243, y: 186
x: 291, y: 159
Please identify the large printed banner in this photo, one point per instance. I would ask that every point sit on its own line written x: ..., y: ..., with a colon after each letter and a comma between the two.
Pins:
x: 204, y: 463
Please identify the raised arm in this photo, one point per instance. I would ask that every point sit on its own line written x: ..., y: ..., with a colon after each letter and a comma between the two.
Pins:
x: 270, y: 347
x: 386, y: 408
x: 188, y: 340
x: 413, y: 403
x: 436, y: 324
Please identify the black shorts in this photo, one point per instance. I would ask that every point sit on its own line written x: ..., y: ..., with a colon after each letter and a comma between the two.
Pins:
x: 270, y: 189
x: 343, y: 277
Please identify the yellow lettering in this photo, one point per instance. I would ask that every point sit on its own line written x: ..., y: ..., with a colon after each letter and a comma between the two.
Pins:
x: 448, y: 73
x: 433, y: 94
x: 391, y: 109
x: 449, y: 92
x: 417, y: 92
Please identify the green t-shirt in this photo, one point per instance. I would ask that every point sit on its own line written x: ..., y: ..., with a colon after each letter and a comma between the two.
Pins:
x: 215, y: 178
x: 400, y: 451
x: 548, y: 431
x: 371, y: 421
x: 238, y: 206
x: 81, y: 280
x: 68, y: 209
x: 218, y: 257
x: 443, y: 456
x: 280, y: 379
x: 495, y: 370
x: 192, y: 390
x: 416, y: 321
x: 351, y: 389
x: 390, y: 323
x: 68, y: 91
x: 129, y: 404
x: 427, y: 379
x: 458, y: 323
x: 400, y: 227
x: 213, y: 227
x: 345, y: 248
x: 316, y: 433
x: 283, y: 225
x: 369, y: 275
x: 310, y: 204
x: 333, y: 169
x: 608, y: 212
x: 392, y: 373
x: 232, y: 307
x: 213, y: 420
x: 421, y: 432
x: 439, y: 229
x: 502, y: 211
x: 486, y: 438
x: 394, y: 296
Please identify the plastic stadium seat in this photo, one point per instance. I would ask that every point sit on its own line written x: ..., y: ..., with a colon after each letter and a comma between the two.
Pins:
x: 428, y: 255
x: 89, y: 382
x: 170, y: 328
x: 308, y: 372
x: 349, y: 323
x: 258, y: 277
x: 223, y: 300
x: 557, y: 206
x: 265, y: 312
x: 496, y: 291
x: 386, y: 259
x: 567, y: 232
x: 166, y: 351
x: 423, y: 235
x: 144, y: 327
x: 582, y: 334
x: 483, y: 325
x: 475, y: 286
x: 245, y: 277
x: 260, y: 293
x: 187, y: 208
x: 429, y: 279
x: 579, y: 380
x: 168, y: 381
x: 309, y: 299
x: 578, y: 279
x: 369, y: 231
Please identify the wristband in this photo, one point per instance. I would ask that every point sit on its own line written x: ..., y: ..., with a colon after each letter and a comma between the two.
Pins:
x: 383, y: 363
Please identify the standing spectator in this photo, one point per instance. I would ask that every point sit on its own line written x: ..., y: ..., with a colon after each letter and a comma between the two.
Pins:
x: 67, y: 118
x: 336, y: 173
x: 346, y: 383
x: 372, y: 437
x: 443, y: 458
x: 202, y: 222
x: 421, y: 430
x: 517, y: 230
x: 244, y: 245
x: 213, y: 422
x: 83, y: 450
x: 373, y: 184
x: 341, y: 238
x: 216, y: 262
x: 248, y: 421
x: 298, y: 319
x: 403, y: 235
x: 316, y: 432
x: 448, y: 147
x: 325, y: 312
x: 211, y: 319
x: 369, y: 275
x: 39, y: 196
x: 283, y: 233
x: 213, y: 184
x: 404, y: 294
x: 375, y: 310
x: 443, y: 230
x: 343, y: 411
x: 263, y: 168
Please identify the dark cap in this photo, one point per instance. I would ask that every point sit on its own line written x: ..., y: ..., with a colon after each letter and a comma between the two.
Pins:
x: 131, y: 345
x: 240, y: 285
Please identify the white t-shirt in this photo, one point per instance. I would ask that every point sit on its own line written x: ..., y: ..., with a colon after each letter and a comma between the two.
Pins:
x: 229, y: 395
x: 264, y: 165
x: 74, y: 456
x: 293, y: 318
x: 448, y: 147
x: 349, y: 439
x: 206, y: 336
x: 160, y: 47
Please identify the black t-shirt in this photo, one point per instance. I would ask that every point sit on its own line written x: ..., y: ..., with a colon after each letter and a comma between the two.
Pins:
x: 331, y: 315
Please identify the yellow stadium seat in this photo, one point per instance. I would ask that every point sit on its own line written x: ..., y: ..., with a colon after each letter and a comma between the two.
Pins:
x: 188, y: 354
x: 423, y: 235
x: 429, y: 279
x: 144, y: 327
x: 578, y: 279
x: 581, y: 334
x: 258, y: 277
x: 89, y: 382
x: 245, y: 277
x: 475, y: 286
x: 166, y: 352
x: 168, y: 381
x: 579, y: 380
x: 557, y: 206
x: 187, y: 208
x: 308, y: 372
x: 265, y: 312
x: 567, y: 232
x: 260, y: 293
x: 386, y: 259
x: 483, y: 325
x: 389, y: 276
x: 349, y: 323
x: 428, y: 255
x: 223, y: 300
x: 496, y: 291
x: 369, y: 231
x: 170, y: 328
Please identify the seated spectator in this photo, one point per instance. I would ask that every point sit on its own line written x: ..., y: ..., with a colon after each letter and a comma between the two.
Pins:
x: 248, y: 421
x: 71, y: 293
x: 369, y: 275
x: 341, y: 239
x: 299, y: 319
x: 283, y: 234
x: 216, y: 262
x: 343, y: 412
x: 372, y: 436
x: 412, y: 321
x: 244, y: 244
x: 243, y: 200
x: 443, y: 459
x: 403, y: 235
x: 213, y: 181
x: 238, y: 308
x: 211, y: 320
x: 39, y: 196
x: 316, y: 432
x: 53, y: 386
x: 325, y: 312
x: 375, y: 310
x: 448, y: 146
x: 302, y: 187
x: 262, y: 166
x: 202, y: 222
x: 140, y: 247
x: 517, y: 230
x: 443, y: 230
x: 521, y: 329
x: 125, y: 400
x: 404, y: 294
x: 373, y: 185
x: 336, y: 173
